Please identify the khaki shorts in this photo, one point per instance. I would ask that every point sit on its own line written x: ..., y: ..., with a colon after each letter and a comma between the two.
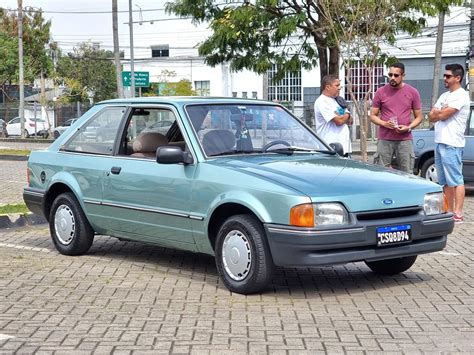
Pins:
x: 402, y: 150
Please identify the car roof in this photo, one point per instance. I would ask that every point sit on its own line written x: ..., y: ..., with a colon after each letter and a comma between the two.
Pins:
x: 185, y: 100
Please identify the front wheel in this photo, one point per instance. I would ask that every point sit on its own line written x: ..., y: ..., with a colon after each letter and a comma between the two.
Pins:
x: 391, y: 266
x: 243, y: 259
x: 70, y: 230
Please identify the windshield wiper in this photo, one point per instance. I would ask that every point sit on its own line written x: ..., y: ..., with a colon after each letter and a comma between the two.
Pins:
x: 291, y: 150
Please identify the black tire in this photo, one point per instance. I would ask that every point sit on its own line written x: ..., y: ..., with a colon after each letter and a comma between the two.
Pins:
x: 251, y: 272
x: 74, y: 235
x: 27, y: 135
x: 56, y: 134
x: 391, y: 266
x: 428, y: 170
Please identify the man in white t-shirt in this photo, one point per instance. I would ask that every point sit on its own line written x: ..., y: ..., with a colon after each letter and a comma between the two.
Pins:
x: 450, y: 115
x: 331, y: 118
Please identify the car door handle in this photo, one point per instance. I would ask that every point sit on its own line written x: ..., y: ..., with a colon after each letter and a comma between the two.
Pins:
x: 116, y: 170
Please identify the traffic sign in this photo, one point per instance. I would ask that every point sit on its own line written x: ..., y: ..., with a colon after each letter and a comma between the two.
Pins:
x: 142, y: 78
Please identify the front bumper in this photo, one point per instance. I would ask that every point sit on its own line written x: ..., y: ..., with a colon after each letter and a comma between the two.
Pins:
x: 292, y: 246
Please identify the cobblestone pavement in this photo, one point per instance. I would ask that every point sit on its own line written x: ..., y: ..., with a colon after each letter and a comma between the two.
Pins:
x: 129, y: 297
x: 12, y: 181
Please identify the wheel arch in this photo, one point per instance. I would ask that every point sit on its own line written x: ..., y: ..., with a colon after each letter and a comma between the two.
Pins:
x: 221, y: 213
x: 424, y: 157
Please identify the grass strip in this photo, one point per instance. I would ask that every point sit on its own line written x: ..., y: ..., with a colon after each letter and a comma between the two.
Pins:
x: 14, y: 208
x: 19, y: 152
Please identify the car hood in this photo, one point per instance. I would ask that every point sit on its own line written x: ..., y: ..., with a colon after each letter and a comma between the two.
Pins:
x: 360, y: 186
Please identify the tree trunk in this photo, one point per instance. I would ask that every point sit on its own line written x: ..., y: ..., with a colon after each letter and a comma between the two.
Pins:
x: 323, y: 63
x: 334, y: 61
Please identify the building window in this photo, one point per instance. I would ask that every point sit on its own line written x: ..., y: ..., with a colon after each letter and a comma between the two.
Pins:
x: 244, y: 94
x: 254, y: 94
x: 359, y: 76
x: 160, y: 51
x: 287, y: 89
x: 202, y: 88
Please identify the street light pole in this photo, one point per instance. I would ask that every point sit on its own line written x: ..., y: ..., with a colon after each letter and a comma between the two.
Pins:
x: 132, y: 64
x: 21, y: 79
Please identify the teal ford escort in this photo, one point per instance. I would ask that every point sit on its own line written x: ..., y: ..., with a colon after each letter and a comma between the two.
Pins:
x: 254, y: 196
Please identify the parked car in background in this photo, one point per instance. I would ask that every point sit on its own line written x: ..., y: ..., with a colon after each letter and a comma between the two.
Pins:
x: 33, y: 127
x: 60, y: 129
x: 253, y: 201
x: 423, y: 142
x: 3, y: 128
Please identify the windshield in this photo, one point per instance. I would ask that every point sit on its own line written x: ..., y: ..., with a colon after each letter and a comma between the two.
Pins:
x: 225, y: 129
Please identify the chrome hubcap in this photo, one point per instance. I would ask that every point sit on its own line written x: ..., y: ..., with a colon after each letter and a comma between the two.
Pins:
x: 64, y: 224
x: 431, y: 173
x: 236, y: 255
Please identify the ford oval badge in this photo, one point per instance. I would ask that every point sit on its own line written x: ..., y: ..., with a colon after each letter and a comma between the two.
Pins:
x: 387, y: 201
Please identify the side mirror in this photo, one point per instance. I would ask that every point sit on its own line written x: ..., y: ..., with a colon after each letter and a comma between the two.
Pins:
x: 337, y: 147
x: 170, y: 154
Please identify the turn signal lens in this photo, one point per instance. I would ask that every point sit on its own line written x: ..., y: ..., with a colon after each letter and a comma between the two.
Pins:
x: 302, y: 216
x: 445, y: 203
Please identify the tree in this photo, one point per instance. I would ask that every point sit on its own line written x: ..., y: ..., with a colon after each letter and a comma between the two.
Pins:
x: 166, y: 88
x: 88, y: 72
x: 36, y: 38
x: 255, y: 36
x: 360, y: 27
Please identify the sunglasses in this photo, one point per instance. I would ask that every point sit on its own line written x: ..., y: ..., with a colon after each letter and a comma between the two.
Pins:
x: 393, y: 75
x: 447, y: 76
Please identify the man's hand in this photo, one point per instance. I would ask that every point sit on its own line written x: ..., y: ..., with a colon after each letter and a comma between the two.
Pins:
x: 402, y: 129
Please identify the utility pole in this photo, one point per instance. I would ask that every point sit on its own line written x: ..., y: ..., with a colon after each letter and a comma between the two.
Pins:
x: 21, y: 79
x: 437, y: 59
x: 132, y: 64
x: 471, y: 55
x: 118, y: 66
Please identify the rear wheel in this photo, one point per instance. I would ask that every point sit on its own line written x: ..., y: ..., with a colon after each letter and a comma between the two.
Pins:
x: 27, y: 135
x: 428, y: 170
x: 56, y: 134
x: 70, y: 230
x: 243, y: 259
x: 391, y: 266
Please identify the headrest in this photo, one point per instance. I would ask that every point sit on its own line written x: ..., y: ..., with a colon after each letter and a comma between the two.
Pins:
x: 148, y: 142
x: 218, y: 141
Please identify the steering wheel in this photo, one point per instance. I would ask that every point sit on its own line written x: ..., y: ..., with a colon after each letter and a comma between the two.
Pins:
x: 271, y: 144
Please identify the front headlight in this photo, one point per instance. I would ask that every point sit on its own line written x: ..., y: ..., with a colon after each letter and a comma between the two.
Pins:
x: 435, y: 203
x: 330, y: 213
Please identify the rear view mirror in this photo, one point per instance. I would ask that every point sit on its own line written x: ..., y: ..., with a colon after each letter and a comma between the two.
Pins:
x: 337, y: 147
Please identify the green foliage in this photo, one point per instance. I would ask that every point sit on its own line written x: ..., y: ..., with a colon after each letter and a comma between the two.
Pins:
x: 87, y: 70
x: 36, y: 37
x: 166, y: 88
x: 296, y: 34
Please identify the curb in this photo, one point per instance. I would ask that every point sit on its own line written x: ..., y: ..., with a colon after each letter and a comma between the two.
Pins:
x: 19, y: 220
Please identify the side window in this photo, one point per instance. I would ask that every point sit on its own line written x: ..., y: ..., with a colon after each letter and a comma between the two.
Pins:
x: 148, y: 129
x: 97, y: 136
x: 470, y: 131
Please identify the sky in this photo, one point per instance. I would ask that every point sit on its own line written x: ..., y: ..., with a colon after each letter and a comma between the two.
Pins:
x: 77, y: 21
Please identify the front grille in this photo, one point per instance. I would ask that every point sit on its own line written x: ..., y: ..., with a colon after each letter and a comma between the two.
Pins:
x: 387, y: 214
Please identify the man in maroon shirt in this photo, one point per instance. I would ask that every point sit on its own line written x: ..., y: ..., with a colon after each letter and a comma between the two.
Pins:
x: 392, y: 111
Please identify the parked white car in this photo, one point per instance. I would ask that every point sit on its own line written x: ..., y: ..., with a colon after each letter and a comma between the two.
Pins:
x: 33, y: 126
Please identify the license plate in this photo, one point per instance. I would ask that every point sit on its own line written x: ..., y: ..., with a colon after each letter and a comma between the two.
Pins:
x: 391, y: 235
